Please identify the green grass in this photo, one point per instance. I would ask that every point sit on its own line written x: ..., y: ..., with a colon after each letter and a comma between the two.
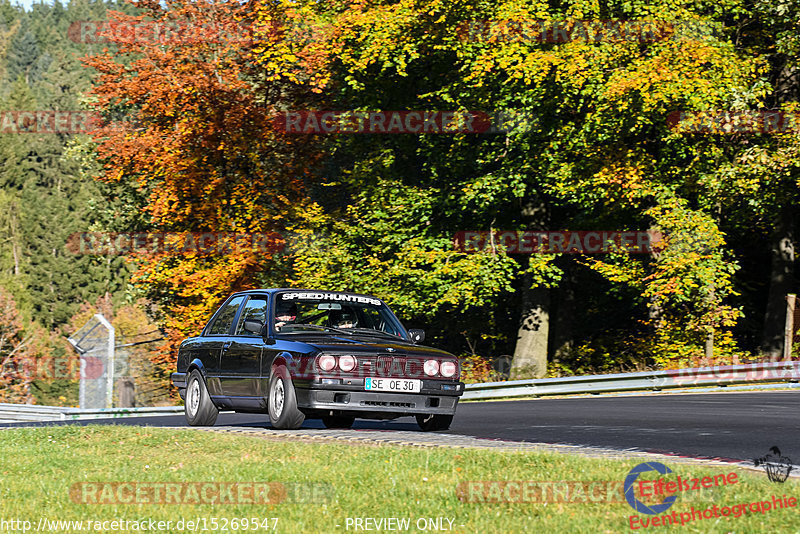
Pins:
x: 38, y: 466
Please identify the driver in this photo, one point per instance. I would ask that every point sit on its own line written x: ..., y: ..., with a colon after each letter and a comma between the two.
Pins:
x: 342, y: 319
x: 285, y: 313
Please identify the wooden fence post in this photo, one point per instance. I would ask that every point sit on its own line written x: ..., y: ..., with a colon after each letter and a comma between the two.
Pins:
x: 788, y: 335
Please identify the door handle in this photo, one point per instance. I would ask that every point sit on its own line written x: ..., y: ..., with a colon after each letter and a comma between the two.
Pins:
x: 226, y: 345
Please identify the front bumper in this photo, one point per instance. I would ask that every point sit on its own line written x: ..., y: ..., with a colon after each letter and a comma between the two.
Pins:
x: 179, y: 381
x: 352, y: 399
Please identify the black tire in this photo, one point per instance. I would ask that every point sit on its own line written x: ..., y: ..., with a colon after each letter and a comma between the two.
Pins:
x: 430, y: 422
x: 198, y: 408
x: 337, y: 421
x: 282, y: 402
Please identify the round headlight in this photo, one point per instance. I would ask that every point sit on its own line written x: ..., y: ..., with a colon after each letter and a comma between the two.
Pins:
x: 431, y: 367
x: 347, y: 363
x: 448, y: 368
x: 326, y: 362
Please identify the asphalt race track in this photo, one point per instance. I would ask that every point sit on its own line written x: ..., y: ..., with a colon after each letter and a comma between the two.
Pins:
x: 737, y: 426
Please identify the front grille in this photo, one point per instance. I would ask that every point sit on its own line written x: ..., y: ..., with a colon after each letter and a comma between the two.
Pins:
x: 384, y: 365
x: 394, y: 366
x: 366, y: 365
x: 414, y: 368
x: 391, y: 366
x: 389, y: 404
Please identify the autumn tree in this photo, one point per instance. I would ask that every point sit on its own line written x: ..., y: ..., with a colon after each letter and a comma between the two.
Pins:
x: 596, y: 151
x: 198, y: 150
x: 15, y: 378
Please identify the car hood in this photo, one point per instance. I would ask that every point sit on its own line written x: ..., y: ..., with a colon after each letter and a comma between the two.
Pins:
x: 361, y: 344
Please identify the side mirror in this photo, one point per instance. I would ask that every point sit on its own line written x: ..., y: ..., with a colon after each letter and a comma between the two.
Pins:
x: 253, y: 325
x: 416, y: 336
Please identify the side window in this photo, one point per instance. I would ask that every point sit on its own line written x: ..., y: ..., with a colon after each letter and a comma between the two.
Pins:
x: 222, y: 324
x: 256, y: 308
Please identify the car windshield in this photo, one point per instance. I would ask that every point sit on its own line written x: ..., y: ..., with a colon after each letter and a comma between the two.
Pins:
x: 300, y: 311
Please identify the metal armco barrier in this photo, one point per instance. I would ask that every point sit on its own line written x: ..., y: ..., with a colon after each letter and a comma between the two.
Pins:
x: 32, y: 412
x: 721, y: 375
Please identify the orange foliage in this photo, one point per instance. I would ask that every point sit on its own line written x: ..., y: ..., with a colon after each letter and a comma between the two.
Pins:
x: 199, y: 143
x: 476, y: 369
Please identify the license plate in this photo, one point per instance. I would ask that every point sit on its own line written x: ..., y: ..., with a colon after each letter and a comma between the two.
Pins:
x: 393, y: 384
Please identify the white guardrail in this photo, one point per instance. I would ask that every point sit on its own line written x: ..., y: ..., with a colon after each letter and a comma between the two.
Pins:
x: 721, y: 375
x: 572, y: 385
x: 31, y: 412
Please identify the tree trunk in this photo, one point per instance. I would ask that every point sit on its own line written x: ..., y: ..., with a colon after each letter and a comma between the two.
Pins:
x: 563, y: 312
x: 781, y: 283
x: 530, y: 354
x: 709, y: 349
x: 781, y: 280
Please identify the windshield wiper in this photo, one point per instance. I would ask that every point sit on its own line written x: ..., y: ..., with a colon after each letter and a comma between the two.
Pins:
x: 345, y: 330
x: 373, y: 332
